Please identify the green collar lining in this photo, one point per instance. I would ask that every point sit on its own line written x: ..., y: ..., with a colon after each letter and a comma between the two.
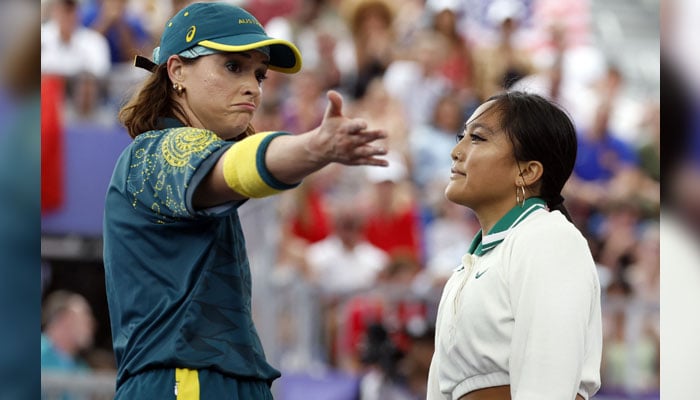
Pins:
x: 481, y: 245
x: 169, y: 122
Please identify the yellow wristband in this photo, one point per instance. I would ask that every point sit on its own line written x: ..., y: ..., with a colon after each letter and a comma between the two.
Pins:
x: 244, y: 167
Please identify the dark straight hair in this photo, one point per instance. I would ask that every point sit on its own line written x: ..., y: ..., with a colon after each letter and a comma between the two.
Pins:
x: 540, y: 130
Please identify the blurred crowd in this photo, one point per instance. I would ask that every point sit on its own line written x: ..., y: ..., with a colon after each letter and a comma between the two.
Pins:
x: 363, y: 253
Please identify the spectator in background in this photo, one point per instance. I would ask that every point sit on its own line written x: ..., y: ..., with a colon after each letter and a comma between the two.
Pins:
x: 277, y: 91
x: 550, y: 80
x: 344, y: 262
x: 415, y: 79
x: 393, y: 216
x: 306, y: 213
x: 566, y: 71
x: 389, y: 303
x: 67, y: 47
x: 76, y: 54
x: 499, y: 66
x: 606, y: 169
x: 125, y: 32
x: 302, y: 109
x: 265, y: 10
x: 416, y: 363
x: 373, y: 39
x: 316, y: 26
x: 375, y: 327
x: 408, y: 20
x: 341, y: 265
x: 458, y: 66
x: 392, y: 372
x: 378, y: 107
x: 68, y: 328
x: 154, y: 14
x: 381, y: 378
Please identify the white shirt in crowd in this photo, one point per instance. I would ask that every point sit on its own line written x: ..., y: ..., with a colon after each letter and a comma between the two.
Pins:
x: 340, y: 271
x: 87, y: 51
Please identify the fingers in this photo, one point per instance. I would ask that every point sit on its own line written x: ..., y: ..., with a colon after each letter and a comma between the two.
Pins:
x: 377, y: 162
x: 354, y: 126
x: 366, y: 136
x: 370, y: 161
x: 335, y: 105
x: 375, y: 159
x: 367, y: 155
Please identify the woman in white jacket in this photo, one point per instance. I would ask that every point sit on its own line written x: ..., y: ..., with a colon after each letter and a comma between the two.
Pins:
x: 520, y: 317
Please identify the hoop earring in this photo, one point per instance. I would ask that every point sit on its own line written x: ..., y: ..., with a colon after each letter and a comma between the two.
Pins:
x: 178, y: 88
x: 520, y: 199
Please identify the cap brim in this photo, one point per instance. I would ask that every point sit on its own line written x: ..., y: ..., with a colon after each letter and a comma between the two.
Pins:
x: 284, y: 56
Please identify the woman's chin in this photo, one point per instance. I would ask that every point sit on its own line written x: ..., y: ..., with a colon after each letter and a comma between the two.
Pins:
x: 451, y: 195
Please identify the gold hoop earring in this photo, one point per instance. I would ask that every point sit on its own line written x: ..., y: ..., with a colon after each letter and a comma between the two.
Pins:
x: 520, y: 196
x: 178, y: 88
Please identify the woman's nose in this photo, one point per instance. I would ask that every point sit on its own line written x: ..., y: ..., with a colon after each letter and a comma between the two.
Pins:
x: 455, y: 154
x: 251, y: 86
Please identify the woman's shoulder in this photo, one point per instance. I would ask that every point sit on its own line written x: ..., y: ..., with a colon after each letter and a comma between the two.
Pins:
x: 176, y: 145
x: 548, y: 240
x: 548, y: 227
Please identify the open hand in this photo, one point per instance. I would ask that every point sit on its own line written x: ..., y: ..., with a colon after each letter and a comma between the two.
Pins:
x: 345, y: 140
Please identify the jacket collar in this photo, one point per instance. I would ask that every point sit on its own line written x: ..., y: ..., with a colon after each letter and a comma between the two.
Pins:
x: 482, y: 244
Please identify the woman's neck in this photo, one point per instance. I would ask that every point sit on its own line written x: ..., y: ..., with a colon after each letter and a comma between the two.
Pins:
x: 489, y: 216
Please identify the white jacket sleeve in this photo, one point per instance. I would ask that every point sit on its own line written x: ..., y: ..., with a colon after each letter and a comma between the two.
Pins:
x: 433, y: 389
x: 554, y: 292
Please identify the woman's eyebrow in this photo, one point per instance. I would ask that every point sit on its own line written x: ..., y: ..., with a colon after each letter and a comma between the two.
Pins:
x: 247, y: 55
x: 475, y: 125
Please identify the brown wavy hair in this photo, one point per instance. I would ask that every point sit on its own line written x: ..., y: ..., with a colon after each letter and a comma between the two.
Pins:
x: 154, y: 100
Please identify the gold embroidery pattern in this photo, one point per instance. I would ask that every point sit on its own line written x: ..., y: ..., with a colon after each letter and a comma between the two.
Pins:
x: 163, y: 171
x: 179, y: 146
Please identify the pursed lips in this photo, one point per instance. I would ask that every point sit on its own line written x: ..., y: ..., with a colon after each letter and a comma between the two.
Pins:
x: 246, y: 106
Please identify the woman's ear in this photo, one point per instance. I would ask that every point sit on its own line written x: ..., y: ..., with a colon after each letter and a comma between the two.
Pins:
x: 531, y: 173
x: 175, y: 69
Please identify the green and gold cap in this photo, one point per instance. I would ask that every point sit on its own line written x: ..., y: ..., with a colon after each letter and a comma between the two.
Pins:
x: 220, y: 27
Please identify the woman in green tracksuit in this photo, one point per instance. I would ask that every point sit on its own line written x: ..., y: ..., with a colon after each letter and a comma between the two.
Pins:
x: 177, y: 274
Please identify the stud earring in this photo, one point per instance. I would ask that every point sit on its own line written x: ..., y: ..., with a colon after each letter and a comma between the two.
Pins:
x: 178, y: 88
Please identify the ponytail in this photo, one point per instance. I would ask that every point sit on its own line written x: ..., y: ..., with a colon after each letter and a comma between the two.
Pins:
x: 557, y: 203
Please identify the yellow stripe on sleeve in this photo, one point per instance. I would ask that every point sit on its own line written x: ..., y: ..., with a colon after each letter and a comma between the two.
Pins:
x: 244, y: 167
x: 186, y: 384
